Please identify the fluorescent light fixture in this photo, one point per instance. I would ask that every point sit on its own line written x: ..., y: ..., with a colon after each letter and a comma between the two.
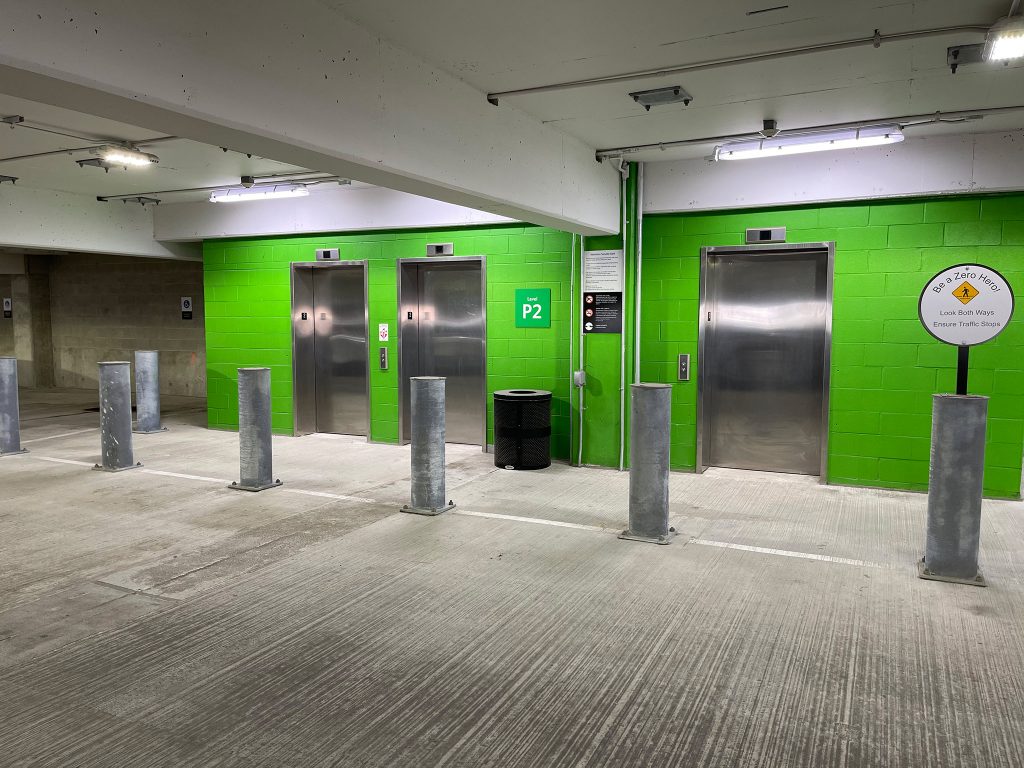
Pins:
x: 796, y: 144
x: 1005, y: 40
x: 265, y: 192
x: 129, y: 158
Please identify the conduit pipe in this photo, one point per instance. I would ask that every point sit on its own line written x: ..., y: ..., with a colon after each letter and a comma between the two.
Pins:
x: 874, y: 40
x: 572, y: 313
x: 905, y: 121
x: 639, y: 268
x: 579, y: 319
x: 623, y: 330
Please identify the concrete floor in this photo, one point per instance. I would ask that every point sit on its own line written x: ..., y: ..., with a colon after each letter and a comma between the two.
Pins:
x: 156, y: 618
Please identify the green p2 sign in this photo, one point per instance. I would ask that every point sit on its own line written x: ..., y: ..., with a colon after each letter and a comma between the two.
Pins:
x: 533, y: 307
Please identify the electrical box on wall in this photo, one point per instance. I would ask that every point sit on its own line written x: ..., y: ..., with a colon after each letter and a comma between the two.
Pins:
x: 440, y: 249
x: 768, y: 235
x: 328, y: 254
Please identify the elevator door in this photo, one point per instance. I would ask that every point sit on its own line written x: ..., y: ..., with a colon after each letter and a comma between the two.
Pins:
x: 340, y: 350
x: 764, y: 369
x: 442, y: 326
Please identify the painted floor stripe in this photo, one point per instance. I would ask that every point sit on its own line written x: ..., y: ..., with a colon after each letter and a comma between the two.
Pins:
x: 322, y: 494
x: 61, y: 461
x: 55, y: 437
x: 535, y: 521
x: 783, y: 553
x: 183, y: 476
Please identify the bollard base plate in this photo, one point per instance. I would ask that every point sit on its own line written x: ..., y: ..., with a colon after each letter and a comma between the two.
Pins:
x: 630, y: 536
x: 148, y: 431
x: 924, y: 573
x: 236, y: 486
x: 101, y: 468
x: 15, y: 453
x: 428, y: 511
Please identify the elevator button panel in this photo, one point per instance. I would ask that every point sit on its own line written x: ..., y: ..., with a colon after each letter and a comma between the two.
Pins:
x: 684, y: 368
x: 383, y: 358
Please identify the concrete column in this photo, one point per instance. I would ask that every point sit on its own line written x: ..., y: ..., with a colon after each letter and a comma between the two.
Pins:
x: 254, y: 432
x: 649, y: 444
x: 33, y: 337
x: 147, y: 392
x: 427, y: 432
x: 116, y: 417
x: 10, y: 416
x: 955, y: 484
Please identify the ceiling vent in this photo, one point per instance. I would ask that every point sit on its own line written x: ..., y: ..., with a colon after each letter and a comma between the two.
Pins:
x: 658, y: 97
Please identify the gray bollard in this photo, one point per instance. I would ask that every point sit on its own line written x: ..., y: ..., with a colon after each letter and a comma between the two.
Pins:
x: 254, y: 434
x: 147, y: 392
x: 116, y: 418
x: 427, y: 405
x: 10, y: 414
x: 955, y: 486
x: 649, y: 446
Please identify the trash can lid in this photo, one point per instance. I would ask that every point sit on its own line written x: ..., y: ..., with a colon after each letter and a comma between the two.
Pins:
x: 515, y: 394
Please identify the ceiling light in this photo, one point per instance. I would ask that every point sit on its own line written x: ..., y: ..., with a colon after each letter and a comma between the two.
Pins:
x: 129, y: 158
x: 1005, y: 40
x: 265, y: 192
x: 795, y: 144
x: 657, y: 97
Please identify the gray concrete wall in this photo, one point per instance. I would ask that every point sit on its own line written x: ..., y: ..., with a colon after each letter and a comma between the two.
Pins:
x: 106, y: 307
x: 6, y: 326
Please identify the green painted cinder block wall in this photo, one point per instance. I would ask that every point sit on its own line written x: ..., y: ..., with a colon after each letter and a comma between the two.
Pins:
x: 885, y: 366
x: 248, y: 315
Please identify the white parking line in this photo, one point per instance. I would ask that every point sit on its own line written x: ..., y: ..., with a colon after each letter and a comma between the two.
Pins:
x: 183, y: 476
x: 783, y: 553
x: 54, y: 437
x: 535, y: 521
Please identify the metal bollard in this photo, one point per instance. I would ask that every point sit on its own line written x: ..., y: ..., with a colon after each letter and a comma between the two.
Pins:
x: 649, y: 446
x: 254, y: 435
x: 10, y: 414
x: 116, y: 418
x: 427, y: 405
x: 955, y: 486
x: 147, y: 392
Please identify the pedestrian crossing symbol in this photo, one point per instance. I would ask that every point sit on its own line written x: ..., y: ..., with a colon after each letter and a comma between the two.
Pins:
x: 965, y: 292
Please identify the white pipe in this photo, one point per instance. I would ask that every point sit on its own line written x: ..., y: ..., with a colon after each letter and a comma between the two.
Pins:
x: 622, y: 335
x: 572, y: 315
x: 579, y: 460
x: 639, y: 267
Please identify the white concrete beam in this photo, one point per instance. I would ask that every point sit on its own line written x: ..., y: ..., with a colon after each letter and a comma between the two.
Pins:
x: 936, y: 165
x: 337, y: 209
x: 59, y: 221
x: 300, y: 83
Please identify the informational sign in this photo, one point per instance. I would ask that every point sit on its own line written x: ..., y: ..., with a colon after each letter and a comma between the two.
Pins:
x: 602, y: 312
x: 533, y: 307
x: 602, y: 271
x: 383, y: 332
x: 966, y: 305
x: 186, y: 307
x: 8, y: 308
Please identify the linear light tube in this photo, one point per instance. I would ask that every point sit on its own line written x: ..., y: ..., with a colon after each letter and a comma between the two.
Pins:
x: 127, y: 157
x: 268, y: 192
x: 1005, y: 40
x: 847, y: 138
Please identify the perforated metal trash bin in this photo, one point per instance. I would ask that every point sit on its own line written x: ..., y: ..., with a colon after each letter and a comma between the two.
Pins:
x: 522, y: 429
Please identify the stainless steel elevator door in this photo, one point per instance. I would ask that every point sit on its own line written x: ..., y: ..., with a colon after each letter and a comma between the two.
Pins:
x: 445, y: 337
x: 764, y: 360
x: 340, y: 350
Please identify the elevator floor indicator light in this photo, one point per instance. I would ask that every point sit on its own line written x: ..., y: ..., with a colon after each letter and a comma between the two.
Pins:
x: 965, y: 292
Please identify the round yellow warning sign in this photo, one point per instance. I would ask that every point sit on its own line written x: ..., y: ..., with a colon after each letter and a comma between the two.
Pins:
x: 966, y: 305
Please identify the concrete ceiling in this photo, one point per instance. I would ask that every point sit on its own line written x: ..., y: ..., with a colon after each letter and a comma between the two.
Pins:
x: 183, y: 164
x: 495, y: 47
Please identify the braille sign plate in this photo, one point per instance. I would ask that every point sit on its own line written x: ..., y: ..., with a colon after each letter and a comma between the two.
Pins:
x: 966, y: 305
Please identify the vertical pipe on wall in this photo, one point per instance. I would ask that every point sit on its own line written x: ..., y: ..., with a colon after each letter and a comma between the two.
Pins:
x: 572, y: 315
x: 622, y: 335
x: 582, y: 395
x: 639, y: 220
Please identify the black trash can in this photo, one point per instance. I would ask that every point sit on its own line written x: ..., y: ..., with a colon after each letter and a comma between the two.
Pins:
x: 522, y: 429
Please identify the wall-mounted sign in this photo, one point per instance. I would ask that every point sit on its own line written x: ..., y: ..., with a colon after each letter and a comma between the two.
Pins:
x: 602, y: 312
x: 186, y: 307
x: 966, y: 305
x: 8, y: 308
x: 602, y: 271
x: 533, y: 307
x: 383, y: 332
